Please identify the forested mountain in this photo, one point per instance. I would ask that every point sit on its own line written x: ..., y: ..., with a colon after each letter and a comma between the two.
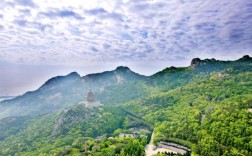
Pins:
x: 205, y: 107
x: 63, y: 91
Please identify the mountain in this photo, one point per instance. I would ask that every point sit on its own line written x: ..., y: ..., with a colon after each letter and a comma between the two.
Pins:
x: 64, y: 91
x: 110, y: 86
x: 205, y: 107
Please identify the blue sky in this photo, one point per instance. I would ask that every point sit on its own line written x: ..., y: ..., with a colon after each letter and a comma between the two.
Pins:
x: 88, y: 36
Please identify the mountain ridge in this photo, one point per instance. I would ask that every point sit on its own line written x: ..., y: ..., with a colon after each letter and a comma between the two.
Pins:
x: 63, y: 91
x: 194, y: 62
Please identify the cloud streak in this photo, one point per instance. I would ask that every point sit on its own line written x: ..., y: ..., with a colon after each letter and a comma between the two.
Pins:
x: 56, y: 13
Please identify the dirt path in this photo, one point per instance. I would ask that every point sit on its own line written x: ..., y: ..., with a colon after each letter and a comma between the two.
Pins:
x: 150, y: 149
x: 202, y: 119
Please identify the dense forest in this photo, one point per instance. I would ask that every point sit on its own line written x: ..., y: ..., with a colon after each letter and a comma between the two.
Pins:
x: 205, y: 107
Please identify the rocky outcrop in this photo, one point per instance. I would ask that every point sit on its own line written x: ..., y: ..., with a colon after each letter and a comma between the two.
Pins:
x: 198, y: 62
x: 195, y: 62
x: 122, y: 68
x: 70, y: 117
x: 246, y: 58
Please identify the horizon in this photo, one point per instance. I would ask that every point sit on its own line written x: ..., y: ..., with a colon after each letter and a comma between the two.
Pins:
x: 42, y: 39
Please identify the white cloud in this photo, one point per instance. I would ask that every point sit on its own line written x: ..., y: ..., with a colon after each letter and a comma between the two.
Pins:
x: 79, y: 32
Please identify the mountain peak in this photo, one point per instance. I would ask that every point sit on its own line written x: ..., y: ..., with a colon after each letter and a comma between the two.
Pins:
x: 245, y: 58
x: 70, y: 77
x: 195, y: 62
x: 122, y: 68
x: 73, y: 74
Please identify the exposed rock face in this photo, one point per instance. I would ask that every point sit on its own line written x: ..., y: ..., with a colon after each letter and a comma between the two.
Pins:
x: 70, y: 117
x: 119, y: 79
x: 195, y: 62
x: 57, y: 125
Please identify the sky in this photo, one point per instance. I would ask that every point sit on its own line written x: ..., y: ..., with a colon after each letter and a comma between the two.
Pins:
x: 40, y: 39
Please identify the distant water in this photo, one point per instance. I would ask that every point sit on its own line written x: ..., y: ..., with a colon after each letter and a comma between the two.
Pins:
x: 2, y: 98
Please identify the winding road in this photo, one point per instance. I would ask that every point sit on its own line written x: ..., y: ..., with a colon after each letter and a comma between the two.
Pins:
x: 151, y: 149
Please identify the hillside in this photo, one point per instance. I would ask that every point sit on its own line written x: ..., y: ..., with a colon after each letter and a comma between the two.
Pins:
x: 64, y: 91
x: 204, y: 107
x: 211, y: 117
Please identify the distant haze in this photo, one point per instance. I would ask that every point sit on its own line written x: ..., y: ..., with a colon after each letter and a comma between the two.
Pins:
x: 2, y: 98
x: 42, y: 39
